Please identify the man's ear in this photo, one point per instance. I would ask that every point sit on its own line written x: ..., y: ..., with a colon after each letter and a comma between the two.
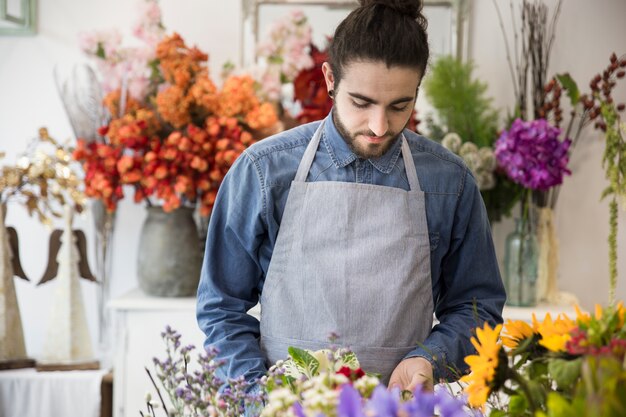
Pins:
x: 328, y: 76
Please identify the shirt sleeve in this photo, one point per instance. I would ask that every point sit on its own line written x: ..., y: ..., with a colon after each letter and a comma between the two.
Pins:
x: 231, y: 274
x: 472, y: 291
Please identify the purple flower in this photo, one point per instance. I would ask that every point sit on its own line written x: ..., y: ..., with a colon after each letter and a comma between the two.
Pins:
x: 350, y: 402
x: 384, y: 403
x: 532, y: 155
x: 421, y: 405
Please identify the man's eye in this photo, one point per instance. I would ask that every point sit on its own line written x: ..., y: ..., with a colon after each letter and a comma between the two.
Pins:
x: 399, y: 109
x: 360, y: 105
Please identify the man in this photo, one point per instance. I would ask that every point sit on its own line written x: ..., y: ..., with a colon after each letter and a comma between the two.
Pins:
x: 353, y: 225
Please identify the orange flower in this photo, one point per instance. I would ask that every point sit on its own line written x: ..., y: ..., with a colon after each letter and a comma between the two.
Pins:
x: 173, y: 106
x: 125, y: 163
x: 204, y: 93
x: 112, y: 102
x: 160, y: 172
x: 179, y: 143
x: 262, y: 117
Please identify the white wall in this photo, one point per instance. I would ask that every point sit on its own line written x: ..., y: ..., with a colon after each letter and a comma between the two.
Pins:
x: 587, y: 33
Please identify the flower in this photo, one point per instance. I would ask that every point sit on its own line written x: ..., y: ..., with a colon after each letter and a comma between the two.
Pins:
x: 177, y: 143
x: 532, y: 155
x: 554, y: 334
x: 310, y: 89
x: 516, y: 332
x: 550, y: 364
x: 126, y: 67
x: 284, y: 53
x: 483, y: 365
x: 480, y: 161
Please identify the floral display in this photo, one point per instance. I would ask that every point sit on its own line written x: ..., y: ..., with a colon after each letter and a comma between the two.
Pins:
x: 532, y: 154
x: 177, y: 143
x: 124, y: 66
x: 481, y: 161
x: 327, y: 382
x: 43, y: 179
x: 555, y: 367
x: 284, y: 53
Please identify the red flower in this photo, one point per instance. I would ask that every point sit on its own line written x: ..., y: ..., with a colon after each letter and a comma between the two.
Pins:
x: 351, y: 374
x: 310, y: 89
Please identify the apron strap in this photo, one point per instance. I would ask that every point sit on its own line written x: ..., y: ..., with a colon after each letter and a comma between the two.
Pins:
x: 409, y: 166
x: 309, y: 155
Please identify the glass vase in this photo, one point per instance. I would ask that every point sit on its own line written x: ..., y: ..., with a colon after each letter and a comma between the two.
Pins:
x: 521, y: 265
x: 104, y: 222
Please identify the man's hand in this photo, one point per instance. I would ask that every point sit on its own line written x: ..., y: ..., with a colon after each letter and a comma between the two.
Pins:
x: 412, y: 372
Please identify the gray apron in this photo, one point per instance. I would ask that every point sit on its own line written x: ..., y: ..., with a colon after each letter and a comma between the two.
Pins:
x: 352, y: 259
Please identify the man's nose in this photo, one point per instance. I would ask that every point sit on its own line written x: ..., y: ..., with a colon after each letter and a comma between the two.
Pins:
x: 378, y: 123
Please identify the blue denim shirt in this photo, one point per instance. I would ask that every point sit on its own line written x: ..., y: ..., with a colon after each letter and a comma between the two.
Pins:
x: 466, y: 284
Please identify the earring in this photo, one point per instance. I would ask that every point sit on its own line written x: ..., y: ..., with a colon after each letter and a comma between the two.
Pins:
x: 331, y: 94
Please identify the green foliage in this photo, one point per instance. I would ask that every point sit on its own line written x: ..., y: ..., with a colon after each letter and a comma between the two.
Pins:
x: 463, y: 108
x: 570, y: 85
x: 460, y: 101
x: 304, y: 362
x: 614, y: 163
x: 564, y: 372
x: 500, y: 200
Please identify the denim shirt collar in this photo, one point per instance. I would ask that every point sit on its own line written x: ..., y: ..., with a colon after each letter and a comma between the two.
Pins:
x: 342, y: 155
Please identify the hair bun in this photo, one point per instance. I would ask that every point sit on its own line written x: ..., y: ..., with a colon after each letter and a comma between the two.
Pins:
x: 412, y: 8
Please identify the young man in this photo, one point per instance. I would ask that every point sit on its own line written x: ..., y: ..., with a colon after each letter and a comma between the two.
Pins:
x: 353, y: 225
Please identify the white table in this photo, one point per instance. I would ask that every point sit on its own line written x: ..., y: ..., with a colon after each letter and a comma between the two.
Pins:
x: 28, y: 393
x: 540, y: 311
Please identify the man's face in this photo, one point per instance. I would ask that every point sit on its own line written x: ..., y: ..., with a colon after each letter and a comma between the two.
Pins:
x: 373, y: 104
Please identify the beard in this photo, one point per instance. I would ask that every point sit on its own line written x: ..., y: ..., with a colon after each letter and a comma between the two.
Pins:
x: 361, y: 149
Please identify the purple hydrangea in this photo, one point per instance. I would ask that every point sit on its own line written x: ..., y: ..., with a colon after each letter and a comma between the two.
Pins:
x: 532, y: 155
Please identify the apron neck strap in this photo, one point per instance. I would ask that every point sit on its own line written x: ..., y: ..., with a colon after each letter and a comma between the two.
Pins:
x: 309, y: 155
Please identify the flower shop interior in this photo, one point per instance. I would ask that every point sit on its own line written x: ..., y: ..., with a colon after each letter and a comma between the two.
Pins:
x: 82, y: 319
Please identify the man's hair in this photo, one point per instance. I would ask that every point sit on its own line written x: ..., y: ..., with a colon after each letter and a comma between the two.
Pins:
x: 391, y: 31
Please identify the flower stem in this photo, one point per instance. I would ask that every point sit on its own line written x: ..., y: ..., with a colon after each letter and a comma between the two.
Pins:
x: 525, y: 389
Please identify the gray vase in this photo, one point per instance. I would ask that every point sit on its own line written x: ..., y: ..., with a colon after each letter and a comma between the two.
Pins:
x: 169, y: 258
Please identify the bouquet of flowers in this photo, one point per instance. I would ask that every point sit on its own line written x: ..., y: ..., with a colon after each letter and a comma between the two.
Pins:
x: 328, y: 382
x: 177, y: 143
x: 557, y: 367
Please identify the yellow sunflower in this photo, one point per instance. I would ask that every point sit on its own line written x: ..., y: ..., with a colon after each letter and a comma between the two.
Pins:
x: 515, y: 332
x: 621, y: 311
x: 555, y: 334
x: 483, y: 365
x: 582, y: 317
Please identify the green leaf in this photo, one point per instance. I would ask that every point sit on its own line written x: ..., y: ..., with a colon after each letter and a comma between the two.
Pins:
x: 607, y: 191
x: 517, y: 404
x: 497, y: 413
x: 565, y: 372
x: 100, y: 53
x: 350, y: 360
x: 304, y: 360
x: 558, y: 406
x: 569, y: 84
